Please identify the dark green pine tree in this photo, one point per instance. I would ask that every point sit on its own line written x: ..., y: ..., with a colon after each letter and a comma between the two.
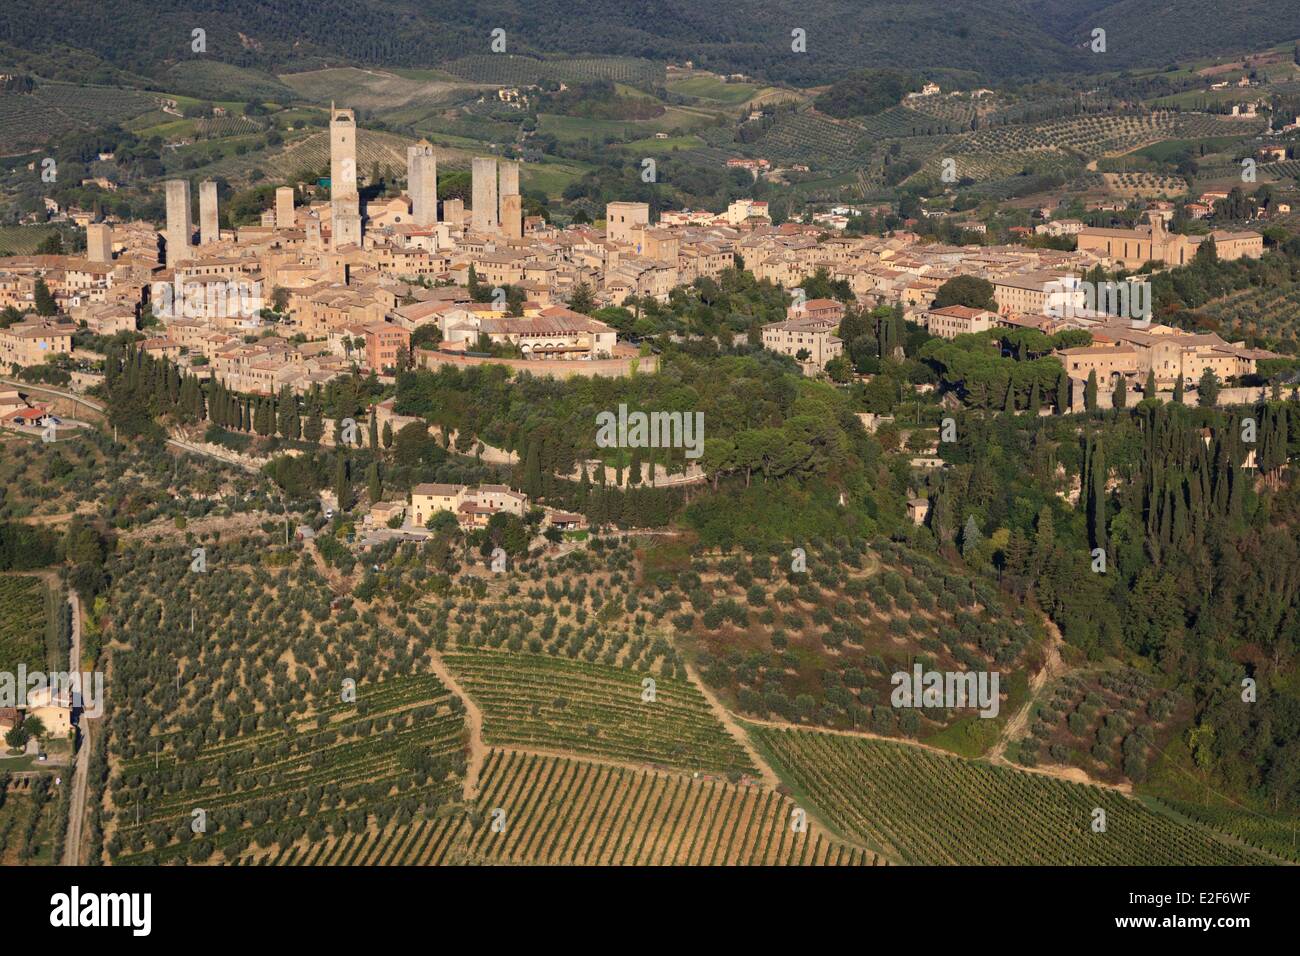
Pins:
x: 1178, y: 389
x: 1062, y: 393
x: 1149, y: 391
x: 388, y: 434
x: 1119, y: 397
x: 374, y: 430
x: 1090, y: 392
x: 374, y: 485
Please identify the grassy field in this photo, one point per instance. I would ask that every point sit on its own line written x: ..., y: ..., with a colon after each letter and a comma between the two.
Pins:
x: 573, y: 128
x: 925, y: 808
x: 716, y: 89
x: 515, y: 70
x: 378, y: 90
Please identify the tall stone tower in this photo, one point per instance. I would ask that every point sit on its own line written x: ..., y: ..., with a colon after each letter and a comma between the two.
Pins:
x: 209, y: 230
x: 483, y: 215
x: 284, y: 214
x: 509, y: 184
x: 99, y: 242
x: 422, y: 183
x: 179, y: 227
x: 345, y: 204
x: 512, y: 216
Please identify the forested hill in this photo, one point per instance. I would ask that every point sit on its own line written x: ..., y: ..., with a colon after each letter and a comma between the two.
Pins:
x: 993, y: 38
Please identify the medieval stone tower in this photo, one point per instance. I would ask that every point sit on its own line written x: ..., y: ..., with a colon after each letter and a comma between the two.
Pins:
x: 179, y: 225
x: 345, y: 204
x: 422, y: 183
x: 483, y: 194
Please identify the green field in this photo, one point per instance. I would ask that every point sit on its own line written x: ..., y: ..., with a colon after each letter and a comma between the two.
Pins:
x: 715, y: 88
x: 513, y: 70
x: 925, y: 808
x: 573, y: 128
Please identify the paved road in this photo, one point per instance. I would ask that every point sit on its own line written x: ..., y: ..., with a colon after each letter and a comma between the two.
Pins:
x: 80, y: 770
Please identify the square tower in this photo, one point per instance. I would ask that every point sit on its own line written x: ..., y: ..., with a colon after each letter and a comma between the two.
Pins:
x: 284, y: 214
x: 99, y: 242
x: 179, y: 226
x: 209, y: 230
x: 623, y: 218
x: 484, y: 194
x: 509, y: 185
x: 345, y: 204
x: 422, y: 183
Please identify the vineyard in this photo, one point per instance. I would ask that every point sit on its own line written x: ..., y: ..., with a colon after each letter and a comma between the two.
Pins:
x: 559, y: 810
x: 549, y: 703
x: 23, y: 240
x: 926, y: 808
x: 563, y: 811
x: 226, y: 126
x: 52, y: 109
x: 303, y: 719
x: 794, y: 137
x: 511, y: 70
x: 23, y: 607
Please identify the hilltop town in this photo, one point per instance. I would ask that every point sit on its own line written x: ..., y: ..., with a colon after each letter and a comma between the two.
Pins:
x: 324, y: 285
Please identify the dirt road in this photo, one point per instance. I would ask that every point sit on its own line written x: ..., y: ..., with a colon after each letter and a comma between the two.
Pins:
x: 81, y: 769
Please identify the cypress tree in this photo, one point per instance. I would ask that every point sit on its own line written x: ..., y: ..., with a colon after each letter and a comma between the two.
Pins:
x: 1090, y: 392
x: 342, y: 483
